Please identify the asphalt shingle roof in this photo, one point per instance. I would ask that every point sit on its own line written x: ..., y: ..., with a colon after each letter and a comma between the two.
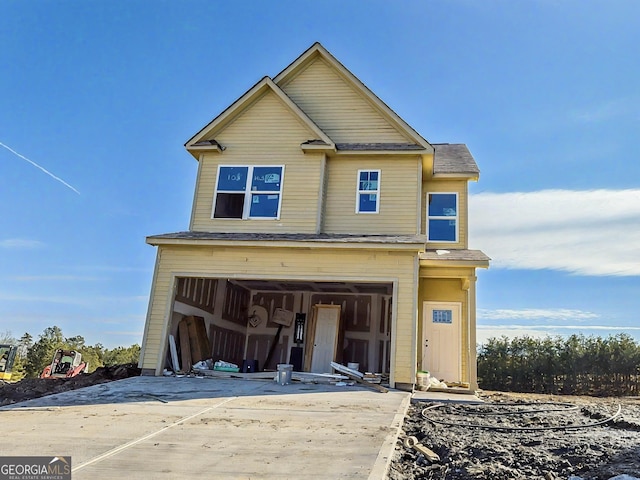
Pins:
x: 444, y: 255
x: 453, y: 158
x: 379, y: 146
x: 459, y: 255
x: 285, y: 237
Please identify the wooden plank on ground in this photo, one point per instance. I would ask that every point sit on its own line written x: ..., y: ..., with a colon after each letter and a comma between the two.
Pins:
x: 185, y: 348
x: 198, y: 340
x: 247, y: 376
x: 174, y: 354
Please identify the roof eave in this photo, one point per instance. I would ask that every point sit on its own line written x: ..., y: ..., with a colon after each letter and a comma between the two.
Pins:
x: 428, y: 262
x: 204, y: 148
x: 382, y: 152
x: 308, y: 244
x: 458, y: 175
x: 317, y: 148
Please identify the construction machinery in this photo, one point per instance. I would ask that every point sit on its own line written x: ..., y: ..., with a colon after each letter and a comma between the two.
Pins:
x: 65, y: 364
x: 7, y: 358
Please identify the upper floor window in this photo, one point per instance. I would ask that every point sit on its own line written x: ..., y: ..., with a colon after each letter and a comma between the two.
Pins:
x: 248, y: 192
x: 442, y: 217
x: 368, y: 198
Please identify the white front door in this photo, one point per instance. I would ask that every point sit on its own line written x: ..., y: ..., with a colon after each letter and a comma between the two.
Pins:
x: 441, y: 340
x: 325, y: 338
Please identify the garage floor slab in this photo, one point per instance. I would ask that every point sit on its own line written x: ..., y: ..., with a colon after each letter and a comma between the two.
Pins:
x: 175, y: 428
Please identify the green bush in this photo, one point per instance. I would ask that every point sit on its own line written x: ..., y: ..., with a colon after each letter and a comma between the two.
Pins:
x: 574, y: 365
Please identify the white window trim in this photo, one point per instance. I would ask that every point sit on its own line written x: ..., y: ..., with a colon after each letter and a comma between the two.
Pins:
x: 438, y: 217
x: 365, y: 192
x: 248, y: 192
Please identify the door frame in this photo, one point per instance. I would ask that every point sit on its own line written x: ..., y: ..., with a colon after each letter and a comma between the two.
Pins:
x: 428, y: 305
x: 311, y: 333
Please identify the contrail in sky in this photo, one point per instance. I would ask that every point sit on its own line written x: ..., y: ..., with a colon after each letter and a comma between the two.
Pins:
x: 41, y: 168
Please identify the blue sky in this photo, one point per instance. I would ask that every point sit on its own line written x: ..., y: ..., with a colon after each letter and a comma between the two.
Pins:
x: 103, y: 95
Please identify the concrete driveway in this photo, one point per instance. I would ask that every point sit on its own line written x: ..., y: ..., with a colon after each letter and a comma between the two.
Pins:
x: 175, y: 428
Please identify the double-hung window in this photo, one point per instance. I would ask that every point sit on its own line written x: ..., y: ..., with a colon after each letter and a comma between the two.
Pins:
x: 248, y: 192
x: 368, y: 197
x: 442, y: 217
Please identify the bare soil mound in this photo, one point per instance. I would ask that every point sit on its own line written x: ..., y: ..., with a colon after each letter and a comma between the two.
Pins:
x: 516, y: 436
x: 29, y: 388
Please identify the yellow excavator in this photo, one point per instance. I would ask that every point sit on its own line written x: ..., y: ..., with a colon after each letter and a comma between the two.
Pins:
x: 7, y: 358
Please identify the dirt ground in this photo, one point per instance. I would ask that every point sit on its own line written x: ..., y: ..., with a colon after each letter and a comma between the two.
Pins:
x: 27, y: 389
x: 529, y: 437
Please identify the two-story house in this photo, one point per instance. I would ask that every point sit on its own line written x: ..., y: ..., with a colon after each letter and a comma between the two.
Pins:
x: 318, y: 205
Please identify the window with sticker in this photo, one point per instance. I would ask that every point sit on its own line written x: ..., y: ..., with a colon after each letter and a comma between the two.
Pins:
x: 368, y: 197
x: 248, y: 192
x: 442, y: 217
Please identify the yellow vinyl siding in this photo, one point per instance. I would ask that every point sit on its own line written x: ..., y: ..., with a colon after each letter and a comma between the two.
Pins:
x: 398, y: 196
x: 267, y: 133
x: 288, y: 263
x: 454, y: 186
x: 333, y: 103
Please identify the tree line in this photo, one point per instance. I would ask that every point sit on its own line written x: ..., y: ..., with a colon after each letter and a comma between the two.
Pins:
x: 574, y: 365
x: 33, y: 356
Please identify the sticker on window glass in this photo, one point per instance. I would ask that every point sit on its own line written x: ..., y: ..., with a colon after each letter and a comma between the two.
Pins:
x: 266, y: 179
x: 232, y: 178
x: 442, y: 205
x: 442, y: 316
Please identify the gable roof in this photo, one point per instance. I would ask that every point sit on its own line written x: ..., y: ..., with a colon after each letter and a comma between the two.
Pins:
x: 317, y: 50
x: 199, y: 142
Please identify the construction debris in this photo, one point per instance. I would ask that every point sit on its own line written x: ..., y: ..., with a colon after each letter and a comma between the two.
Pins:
x: 372, y: 377
x: 222, y: 366
x: 357, y: 376
x: 304, y: 377
x: 193, y: 343
x: 412, y: 442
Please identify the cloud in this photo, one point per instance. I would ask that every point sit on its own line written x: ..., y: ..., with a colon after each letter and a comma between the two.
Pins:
x: 125, y: 333
x: 78, y: 300
x: 112, y: 268
x: 592, y: 232
x: 485, y: 332
x: 56, y: 278
x: 536, y: 314
x: 606, y: 110
x: 20, y: 243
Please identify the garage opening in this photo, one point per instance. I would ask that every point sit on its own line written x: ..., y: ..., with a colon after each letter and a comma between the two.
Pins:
x: 258, y: 324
